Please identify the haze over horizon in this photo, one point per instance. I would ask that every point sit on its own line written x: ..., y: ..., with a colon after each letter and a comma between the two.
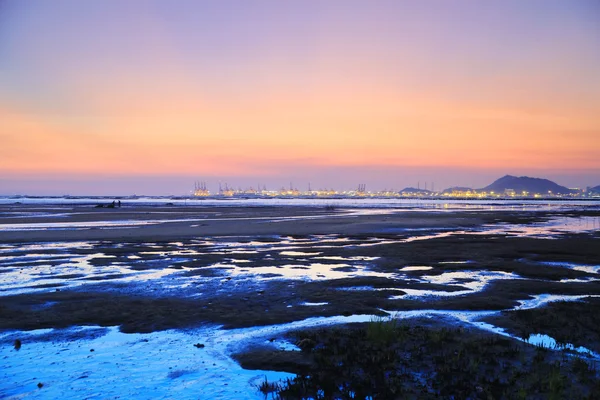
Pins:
x: 146, y: 97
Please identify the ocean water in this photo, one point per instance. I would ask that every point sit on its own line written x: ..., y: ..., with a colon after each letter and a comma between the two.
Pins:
x: 427, y: 204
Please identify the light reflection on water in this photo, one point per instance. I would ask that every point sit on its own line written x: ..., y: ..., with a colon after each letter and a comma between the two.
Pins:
x: 415, y: 268
x: 305, y: 259
x: 592, y: 269
x: 313, y: 271
x: 548, y: 229
x: 542, y: 299
x: 312, y: 265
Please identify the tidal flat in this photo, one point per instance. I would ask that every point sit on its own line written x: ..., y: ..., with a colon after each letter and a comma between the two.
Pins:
x: 238, y: 302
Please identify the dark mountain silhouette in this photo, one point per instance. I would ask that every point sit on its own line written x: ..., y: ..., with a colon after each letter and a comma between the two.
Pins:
x: 414, y: 190
x: 527, y: 184
x: 457, y: 189
x: 595, y: 189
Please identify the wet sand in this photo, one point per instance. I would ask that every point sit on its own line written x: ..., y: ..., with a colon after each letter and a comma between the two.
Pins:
x: 166, y: 223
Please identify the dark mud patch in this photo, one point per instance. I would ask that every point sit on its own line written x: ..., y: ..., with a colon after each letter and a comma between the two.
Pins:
x: 57, y: 335
x: 206, y: 272
x: 276, y: 360
x: 251, y: 303
x: 103, y: 261
x: 264, y: 304
x: 62, y: 277
x: 345, y: 269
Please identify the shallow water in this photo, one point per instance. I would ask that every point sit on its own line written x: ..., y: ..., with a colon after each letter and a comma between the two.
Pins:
x: 116, y: 365
x: 42, y: 264
x: 548, y: 229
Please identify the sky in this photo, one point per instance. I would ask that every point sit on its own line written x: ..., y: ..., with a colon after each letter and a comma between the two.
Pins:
x: 147, y: 97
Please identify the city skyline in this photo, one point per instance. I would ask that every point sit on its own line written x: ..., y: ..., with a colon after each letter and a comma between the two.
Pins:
x: 148, y: 97
x: 185, y: 186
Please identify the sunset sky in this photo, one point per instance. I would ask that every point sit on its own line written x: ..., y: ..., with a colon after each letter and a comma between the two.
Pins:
x: 124, y: 96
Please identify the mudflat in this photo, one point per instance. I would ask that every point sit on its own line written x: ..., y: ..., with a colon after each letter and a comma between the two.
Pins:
x: 22, y: 223
x: 152, y: 268
x: 276, y: 270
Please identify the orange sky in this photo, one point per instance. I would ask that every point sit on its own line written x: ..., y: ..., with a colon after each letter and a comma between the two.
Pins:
x: 330, y: 128
x: 320, y: 97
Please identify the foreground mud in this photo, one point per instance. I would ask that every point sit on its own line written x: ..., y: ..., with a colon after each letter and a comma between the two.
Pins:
x: 421, y: 359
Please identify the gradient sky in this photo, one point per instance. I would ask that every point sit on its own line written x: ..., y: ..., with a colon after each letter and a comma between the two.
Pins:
x: 122, y: 97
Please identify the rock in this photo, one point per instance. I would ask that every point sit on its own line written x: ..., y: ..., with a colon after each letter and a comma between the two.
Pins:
x: 199, y: 345
x: 17, y: 344
x: 40, y: 385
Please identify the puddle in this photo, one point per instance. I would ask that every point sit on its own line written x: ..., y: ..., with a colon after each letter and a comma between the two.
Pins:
x: 473, y: 281
x: 592, y: 269
x: 456, y: 262
x: 550, y: 343
x: 312, y: 271
x: 417, y: 293
x: 416, y: 268
x: 298, y: 253
x: 537, y: 339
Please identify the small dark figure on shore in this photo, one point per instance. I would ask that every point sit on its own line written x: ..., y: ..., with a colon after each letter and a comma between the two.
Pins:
x: 119, y: 203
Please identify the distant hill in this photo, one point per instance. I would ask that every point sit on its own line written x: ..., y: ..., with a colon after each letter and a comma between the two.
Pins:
x: 414, y: 190
x: 595, y: 189
x: 458, y: 189
x: 526, y: 184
